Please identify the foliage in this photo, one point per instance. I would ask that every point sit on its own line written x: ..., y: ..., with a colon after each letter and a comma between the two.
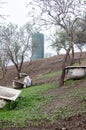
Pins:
x: 16, y: 43
x: 61, y: 41
x: 80, y: 31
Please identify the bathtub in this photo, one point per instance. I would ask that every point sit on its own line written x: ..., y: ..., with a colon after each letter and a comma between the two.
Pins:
x: 75, y: 72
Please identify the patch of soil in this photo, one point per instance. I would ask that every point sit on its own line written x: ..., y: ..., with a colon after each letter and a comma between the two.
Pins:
x: 77, y: 122
x: 44, y: 66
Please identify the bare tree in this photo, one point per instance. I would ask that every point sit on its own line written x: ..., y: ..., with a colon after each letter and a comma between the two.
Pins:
x: 63, y: 13
x: 16, y: 43
x: 4, y: 61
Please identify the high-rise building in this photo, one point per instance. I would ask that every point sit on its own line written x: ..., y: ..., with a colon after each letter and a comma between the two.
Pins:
x: 37, y: 46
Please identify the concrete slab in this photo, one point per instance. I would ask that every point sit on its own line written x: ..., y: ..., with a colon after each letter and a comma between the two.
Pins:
x: 73, y: 67
x: 9, y: 93
x: 75, y: 72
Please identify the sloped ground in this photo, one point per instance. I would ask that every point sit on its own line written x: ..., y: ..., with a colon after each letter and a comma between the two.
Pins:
x: 36, y: 68
x: 77, y: 122
x: 71, y: 94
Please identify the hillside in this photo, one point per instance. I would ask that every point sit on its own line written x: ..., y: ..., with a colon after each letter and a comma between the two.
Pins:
x: 68, y: 103
x: 36, y: 69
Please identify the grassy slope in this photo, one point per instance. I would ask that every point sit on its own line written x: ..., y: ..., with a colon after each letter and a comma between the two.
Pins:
x: 40, y: 103
x: 45, y: 102
x: 27, y: 106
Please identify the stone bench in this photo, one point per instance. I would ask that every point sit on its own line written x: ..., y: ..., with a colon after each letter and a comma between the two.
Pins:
x: 17, y: 84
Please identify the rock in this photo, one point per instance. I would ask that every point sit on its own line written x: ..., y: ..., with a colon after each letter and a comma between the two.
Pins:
x: 2, y: 103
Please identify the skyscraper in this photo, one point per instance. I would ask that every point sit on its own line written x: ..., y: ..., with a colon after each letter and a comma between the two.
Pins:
x: 37, y: 46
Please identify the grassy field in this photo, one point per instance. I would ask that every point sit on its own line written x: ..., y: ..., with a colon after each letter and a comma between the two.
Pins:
x: 45, y: 104
x: 27, y: 107
x: 32, y: 105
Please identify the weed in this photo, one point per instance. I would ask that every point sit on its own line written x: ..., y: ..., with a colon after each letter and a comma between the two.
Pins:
x: 61, y: 113
x: 49, y: 75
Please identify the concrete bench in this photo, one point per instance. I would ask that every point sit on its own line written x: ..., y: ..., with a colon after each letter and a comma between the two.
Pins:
x: 17, y: 84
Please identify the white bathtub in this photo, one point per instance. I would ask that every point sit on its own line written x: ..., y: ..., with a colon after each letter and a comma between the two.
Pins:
x: 77, y: 72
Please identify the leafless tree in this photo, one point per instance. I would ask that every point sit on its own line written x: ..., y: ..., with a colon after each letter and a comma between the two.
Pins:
x: 63, y: 13
x: 16, y: 43
x: 4, y: 61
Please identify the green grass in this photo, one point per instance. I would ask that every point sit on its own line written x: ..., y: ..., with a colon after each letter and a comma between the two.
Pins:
x: 62, y: 113
x: 72, y: 82
x: 30, y: 107
x: 76, y: 64
x: 27, y: 107
x: 49, y: 75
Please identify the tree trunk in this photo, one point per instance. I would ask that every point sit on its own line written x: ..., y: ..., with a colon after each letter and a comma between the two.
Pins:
x: 80, y: 56
x: 72, y: 59
x: 4, y: 70
x: 18, y: 70
x: 63, y: 66
x: 18, y: 73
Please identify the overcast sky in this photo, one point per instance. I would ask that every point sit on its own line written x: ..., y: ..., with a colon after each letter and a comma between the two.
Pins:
x: 18, y: 14
x: 16, y: 11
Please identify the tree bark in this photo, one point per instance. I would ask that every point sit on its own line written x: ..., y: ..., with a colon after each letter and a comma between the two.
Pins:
x: 72, y: 59
x: 80, y: 56
x: 61, y: 83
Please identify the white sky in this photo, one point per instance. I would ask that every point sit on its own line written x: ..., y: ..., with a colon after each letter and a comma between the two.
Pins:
x: 18, y: 14
x: 16, y: 11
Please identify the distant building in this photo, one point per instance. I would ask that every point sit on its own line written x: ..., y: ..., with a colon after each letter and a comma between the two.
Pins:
x: 37, y: 46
